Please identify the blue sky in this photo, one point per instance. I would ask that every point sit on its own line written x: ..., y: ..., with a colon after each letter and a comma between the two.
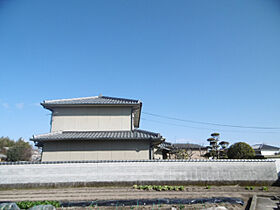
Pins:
x: 211, y: 61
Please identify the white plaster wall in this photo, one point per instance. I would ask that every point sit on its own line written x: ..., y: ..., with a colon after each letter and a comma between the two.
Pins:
x: 96, y: 150
x: 268, y: 153
x: 132, y: 171
x: 277, y: 162
x: 91, y: 119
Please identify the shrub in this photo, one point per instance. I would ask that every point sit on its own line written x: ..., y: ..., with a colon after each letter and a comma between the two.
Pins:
x: 240, y: 150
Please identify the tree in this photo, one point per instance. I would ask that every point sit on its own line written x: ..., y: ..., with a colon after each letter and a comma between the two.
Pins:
x: 5, y: 142
x: 217, y: 148
x: 181, y: 154
x: 241, y: 150
x: 20, y: 151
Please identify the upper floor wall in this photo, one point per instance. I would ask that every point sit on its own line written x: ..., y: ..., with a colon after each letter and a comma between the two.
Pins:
x: 91, y: 118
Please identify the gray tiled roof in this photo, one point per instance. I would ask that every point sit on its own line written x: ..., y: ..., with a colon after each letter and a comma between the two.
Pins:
x: 95, y: 100
x: 265, y: 147
x: 98, y: 135
x: 188, y: 146
x: 165, y: 146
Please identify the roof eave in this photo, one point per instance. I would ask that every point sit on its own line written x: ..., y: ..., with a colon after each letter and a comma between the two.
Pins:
x: 51, y: 106
x: 137, y: 121
x: 155, y: 141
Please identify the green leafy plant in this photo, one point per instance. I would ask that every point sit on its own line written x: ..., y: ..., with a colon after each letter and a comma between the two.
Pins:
x: 165, y: 188
x: 29, y: 204
x: 208, y: 187
x: 181, y: 188
x: 264, y: 188
x: 181, y: 206
x: 249, y: 187
x: 176, y: 188
x: 159, y: 187
x: 171, y: 187
x: 141, y: 187
x: 150, y: 187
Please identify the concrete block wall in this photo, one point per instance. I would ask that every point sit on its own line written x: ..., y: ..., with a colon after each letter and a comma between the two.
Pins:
x: 148, y: 171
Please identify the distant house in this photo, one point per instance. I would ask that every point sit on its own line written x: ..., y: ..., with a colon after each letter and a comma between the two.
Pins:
x: 167, y: 150
x: 266, y: 150
x: 3, y: 152
x: 35, y: 155
x: 96, y: 128
x: 3, y: 157
x: 163, y: 151
x: 194, y: 151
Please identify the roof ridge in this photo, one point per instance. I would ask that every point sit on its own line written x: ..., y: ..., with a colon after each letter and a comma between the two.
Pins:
x: 117, y: 98
x: 96, y: 131
x: 70, y: 99
x: 137, y: 130
x: 150, y: 132
x: 47, y: 134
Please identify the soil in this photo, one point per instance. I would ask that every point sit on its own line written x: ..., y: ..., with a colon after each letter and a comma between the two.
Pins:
x: 121, y: 193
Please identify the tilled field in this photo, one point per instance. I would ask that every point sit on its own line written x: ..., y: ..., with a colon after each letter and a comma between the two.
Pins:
x: 124, y: 193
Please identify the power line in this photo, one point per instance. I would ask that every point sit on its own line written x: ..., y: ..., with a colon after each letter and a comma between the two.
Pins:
x: 209, y: 123
x: 209, y: 129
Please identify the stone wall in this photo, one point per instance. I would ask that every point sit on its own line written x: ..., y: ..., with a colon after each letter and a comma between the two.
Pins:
x: 90, y: 173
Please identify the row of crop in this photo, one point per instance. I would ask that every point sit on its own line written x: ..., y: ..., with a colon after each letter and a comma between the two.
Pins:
x: 263, y: 188
x: 159, y: 187
x: 29, y: 204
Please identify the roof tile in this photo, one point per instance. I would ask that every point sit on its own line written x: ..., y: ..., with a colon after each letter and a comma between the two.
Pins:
x: 97, y: 135
x: 95, y: 100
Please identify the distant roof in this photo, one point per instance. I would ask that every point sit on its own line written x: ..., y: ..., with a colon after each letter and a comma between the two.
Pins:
x: 94, y: 100
x: 97, y: 135
x: 265, y: 147
x: 97, y: 101
x: 165, y: 146
x: 188, y: 146
x: 3, y: 156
